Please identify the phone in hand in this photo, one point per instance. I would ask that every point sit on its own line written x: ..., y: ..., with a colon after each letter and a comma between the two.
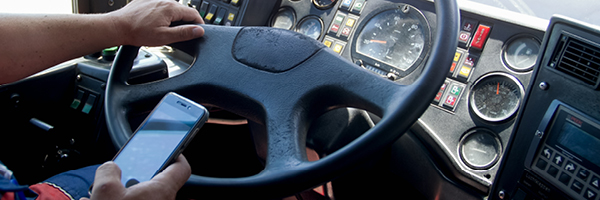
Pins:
x: 160, y: 139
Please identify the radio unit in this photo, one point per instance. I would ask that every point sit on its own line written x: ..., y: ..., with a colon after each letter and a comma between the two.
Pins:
x: 566, y: 151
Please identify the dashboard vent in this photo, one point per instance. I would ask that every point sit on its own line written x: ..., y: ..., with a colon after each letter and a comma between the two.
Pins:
x: 578, y: 59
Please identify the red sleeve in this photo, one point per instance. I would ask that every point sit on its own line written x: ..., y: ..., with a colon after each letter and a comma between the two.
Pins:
x: 48, y: 192
x: 8, y: 196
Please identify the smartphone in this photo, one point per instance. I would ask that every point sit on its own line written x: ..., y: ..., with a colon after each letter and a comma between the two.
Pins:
x: 160, y: 139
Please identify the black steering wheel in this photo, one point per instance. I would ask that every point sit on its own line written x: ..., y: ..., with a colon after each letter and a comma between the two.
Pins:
x: 283, y: 80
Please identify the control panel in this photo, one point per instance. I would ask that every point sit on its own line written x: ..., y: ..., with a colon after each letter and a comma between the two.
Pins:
x: 472, y: 38
x: 567, y: 153
x: 554, y: 150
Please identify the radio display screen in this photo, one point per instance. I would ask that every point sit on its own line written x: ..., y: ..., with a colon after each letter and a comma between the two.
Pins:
x: 580, y: 142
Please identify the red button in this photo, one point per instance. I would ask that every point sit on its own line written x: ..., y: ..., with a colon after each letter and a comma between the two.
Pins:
x: 480, y: 36
x: 438, y: 96
x: 450, y: 101
x: 335, y: 28
x: 346, y: 31
x: 464, y: 36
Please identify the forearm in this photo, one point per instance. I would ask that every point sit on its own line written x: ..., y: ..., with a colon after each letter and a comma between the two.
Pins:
x: 31, y: 43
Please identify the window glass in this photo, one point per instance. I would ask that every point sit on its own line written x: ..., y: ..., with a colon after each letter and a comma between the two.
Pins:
x: 36, y: 6
x: 584, y: 10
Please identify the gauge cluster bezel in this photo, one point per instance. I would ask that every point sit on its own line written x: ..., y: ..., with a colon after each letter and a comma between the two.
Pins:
x: 498, y: 148
x: 273, y: 18
x: 309, y: 17
x: 324, y: 7
x: 481, y: 80
x: 387, y: 68
x: 510, y: 42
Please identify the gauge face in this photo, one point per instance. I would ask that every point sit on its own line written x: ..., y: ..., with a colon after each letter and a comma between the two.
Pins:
x: 284, y: 19
x: 496, y: 97
x: 480, y: 149
x: 324, y: 4
x: 394, y: 37
x: 521, y: 53
x: 310, y: 26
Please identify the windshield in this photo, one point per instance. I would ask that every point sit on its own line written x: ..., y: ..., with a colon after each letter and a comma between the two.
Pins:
x: 584, y: 10
x: 36, y: 6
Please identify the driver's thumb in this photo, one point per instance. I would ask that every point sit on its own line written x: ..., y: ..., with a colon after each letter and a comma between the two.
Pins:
x: 185, y: 32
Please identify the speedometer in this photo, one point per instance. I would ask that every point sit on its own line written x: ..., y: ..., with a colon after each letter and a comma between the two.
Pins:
x: 398, y: 38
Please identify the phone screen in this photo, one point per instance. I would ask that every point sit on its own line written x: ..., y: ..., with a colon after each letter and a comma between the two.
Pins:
x: 153, y: 143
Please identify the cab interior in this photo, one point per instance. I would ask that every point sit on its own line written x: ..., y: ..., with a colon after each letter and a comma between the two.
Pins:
x: 515, y: 117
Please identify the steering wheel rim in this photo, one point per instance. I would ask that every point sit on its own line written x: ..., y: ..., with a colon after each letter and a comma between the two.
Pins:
x: 250, y: 86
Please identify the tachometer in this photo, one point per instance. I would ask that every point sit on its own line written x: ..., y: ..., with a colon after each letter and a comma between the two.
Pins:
x: 496, y: 97
x: 397, y: 37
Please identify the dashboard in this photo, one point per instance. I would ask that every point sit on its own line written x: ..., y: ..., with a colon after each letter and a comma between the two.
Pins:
x: 516, y: 118
x: 503, y: 83
x: 471, y: 119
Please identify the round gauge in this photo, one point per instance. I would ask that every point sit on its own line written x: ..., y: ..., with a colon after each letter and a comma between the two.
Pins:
x: 284, y: 19
x: 496, y: 97
x: 398, y: 38
x: 324, y: 4
x: 521, y: 53
x: 480, y: 149
x: 310, y: 26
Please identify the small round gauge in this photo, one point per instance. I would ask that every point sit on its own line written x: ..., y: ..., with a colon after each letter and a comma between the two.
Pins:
x: 397, y: 37
x: 480, y: 149
x: 496, y: 97
x: 310, y: 26
x: 324, y: 4
x: 284, y: 19
x: 521, y: 53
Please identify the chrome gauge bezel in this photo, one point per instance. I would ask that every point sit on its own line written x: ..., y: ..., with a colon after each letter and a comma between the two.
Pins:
x: 280, y: 11
x: 467, y: 159
x: 383, y: 67
x: 324, y: 7
x: 485, y: 78
x: 511, y: 41
x: 309, y: 17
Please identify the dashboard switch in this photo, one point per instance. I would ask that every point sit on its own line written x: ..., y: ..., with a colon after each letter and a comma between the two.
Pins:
x: 230, y: 18
x: 220, y: 16
x: 440, y: 93
x: 337, y: 23
x: 89, y: 104
x: 338, y: 47
x: 463, y: 38
x: 464, y: 73
x: 203, y: 8
x: 236, y: 2
x: 210, y: 16
x: 358, y: 6
x: 450, y: 101
x: 481, y: 36
x: 346, y: 4
x: 469, y: 25
x: 77, y: 101
x: 328, y: 42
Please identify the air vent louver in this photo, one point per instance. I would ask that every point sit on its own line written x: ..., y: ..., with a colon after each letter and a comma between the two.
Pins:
x: 578, y: 59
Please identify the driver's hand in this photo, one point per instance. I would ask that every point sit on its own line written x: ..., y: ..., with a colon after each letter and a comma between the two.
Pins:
x: 107, y: 183
x: 146, y: 22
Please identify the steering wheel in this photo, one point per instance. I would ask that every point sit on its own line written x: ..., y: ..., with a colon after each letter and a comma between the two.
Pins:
x: 284, y: 80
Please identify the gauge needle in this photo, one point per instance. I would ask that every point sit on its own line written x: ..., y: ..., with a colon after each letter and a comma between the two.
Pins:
x: 498, y: 89
x: 379, y: 41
